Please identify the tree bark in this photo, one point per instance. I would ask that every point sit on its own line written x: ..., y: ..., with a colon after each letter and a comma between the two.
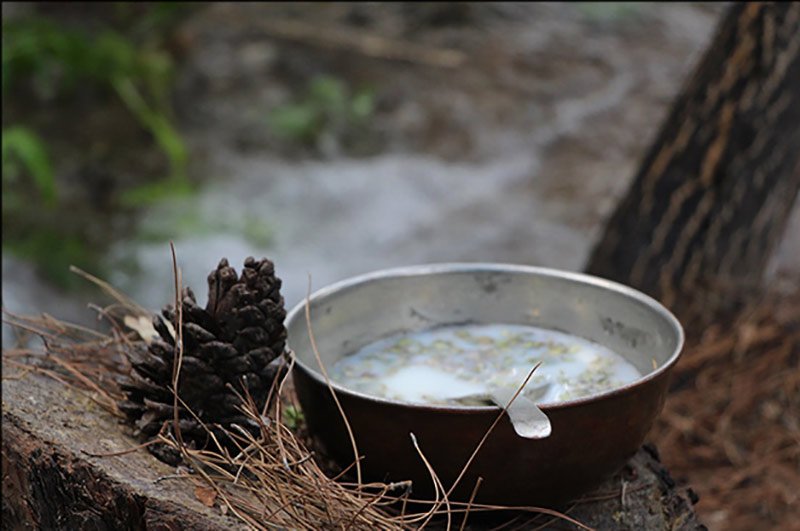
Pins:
x: 712, y: 197
x: 52, y: 480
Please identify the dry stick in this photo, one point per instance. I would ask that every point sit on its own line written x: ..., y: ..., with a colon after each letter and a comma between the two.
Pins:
x: 282, y: 507
x: 507, y: 524
x: 477, y: 507
x: 57, y: 377
x: 319, y: 482
x: 199, y: 421
x: 110, y: 290
x: 276, y: 388
x: 404, y: 505
x: 330, y: 387
x: 607, y: 496
x: 18, y: 323
x: 59, y: 327
x: 224, y: 498
x: 363, y: 508
x: 23, y: 373
x: 178, y: 359
x: 278, y: 411
x: 248, y: 408
x: 80, y: 376
x: 64, y: 328
x: 486, y: 436
x: 241, y: 468
x: 104, y: 313
x: 526, y: 524
x: 491, y: 428
x: 540, y: 510
x: 548, y: 522
x: 286, y: 465
x: 284, y: 460
x: 113, y: 409
x: 523, y: 508
x: 121, y: 452
x: 469, y: 503
x: 437, y: 487
x: 545, y: 524
x: 345, y: 471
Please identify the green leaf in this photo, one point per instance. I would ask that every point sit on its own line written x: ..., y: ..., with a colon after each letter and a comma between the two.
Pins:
x: 328, y: 94
x: 363, y: 105
x: 54, y: 60
x: 167, y: 138
x: 23, y: 147
x: 112, y: 56
x: 292, y: 417
x: 150, y: 193
x: 295, y: 121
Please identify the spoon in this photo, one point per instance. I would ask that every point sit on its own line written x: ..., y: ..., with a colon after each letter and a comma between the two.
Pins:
x: 420, y: 382
x: 528, y: 420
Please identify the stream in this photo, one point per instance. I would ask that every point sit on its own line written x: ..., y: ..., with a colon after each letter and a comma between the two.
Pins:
x: 517, y: 158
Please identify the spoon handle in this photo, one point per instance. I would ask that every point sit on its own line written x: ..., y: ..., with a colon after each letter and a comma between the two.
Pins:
x: 528, y: 420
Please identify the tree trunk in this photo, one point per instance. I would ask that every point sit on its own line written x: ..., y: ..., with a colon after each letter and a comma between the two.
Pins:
x: 52, y: 481
x: 713, y: 195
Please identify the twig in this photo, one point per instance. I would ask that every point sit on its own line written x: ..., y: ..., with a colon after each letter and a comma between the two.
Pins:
x: 328, y: 382
x: 437, y: 486
x: 176, y: 366
x: 121, y: 452
x: 491, y: 428
x: 110, y: 290
x: 469, y: 503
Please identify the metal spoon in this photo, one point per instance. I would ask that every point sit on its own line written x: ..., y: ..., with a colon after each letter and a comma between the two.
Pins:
x: 528, y: 420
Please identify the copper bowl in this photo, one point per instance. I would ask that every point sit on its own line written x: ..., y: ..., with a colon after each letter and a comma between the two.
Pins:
x: 592, y: 437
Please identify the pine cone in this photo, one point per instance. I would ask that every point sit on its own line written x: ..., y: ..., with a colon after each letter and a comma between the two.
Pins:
x: 228, y: 351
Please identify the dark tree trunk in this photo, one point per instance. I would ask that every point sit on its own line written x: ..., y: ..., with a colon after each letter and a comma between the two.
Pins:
x: 713, y: 194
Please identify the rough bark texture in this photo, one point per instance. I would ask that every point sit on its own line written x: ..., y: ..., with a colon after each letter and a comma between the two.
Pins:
x: 50, y: 481
x: 713, y: 195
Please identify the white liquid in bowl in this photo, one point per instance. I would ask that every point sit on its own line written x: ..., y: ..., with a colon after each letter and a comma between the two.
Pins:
x: 437, y: 365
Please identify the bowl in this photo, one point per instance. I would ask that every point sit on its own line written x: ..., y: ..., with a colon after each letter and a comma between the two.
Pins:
x: 592, y: 437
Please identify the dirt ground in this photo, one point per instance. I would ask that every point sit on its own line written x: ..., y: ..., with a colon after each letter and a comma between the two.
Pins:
x: 501, y: 132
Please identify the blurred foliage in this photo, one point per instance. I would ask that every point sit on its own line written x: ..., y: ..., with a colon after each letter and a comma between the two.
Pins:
x: 292, y: 417
x: 114, y: 54
x: 56, y: 61
x: 187, y: 220
x: 24, y: 153
x: 147, y: 194
x: 53, y: 250
x: 328, y: 107
x: 609, y: 11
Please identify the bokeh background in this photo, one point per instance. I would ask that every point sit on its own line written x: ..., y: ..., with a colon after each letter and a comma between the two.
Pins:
x: 333, y: 138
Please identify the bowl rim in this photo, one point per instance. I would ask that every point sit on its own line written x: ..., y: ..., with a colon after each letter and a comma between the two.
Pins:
x: 489, y: 267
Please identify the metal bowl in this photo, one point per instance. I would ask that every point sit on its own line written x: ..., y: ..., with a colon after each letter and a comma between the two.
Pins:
x: 592, y: 437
